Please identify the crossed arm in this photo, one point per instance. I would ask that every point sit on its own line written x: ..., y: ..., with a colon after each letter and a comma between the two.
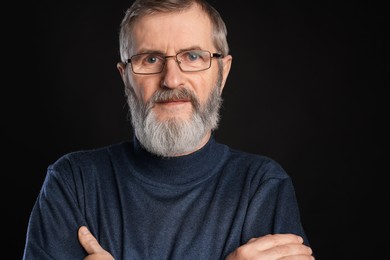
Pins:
x: 272, y: 247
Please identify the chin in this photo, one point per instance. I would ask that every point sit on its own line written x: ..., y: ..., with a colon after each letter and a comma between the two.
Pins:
x: 175, y: 116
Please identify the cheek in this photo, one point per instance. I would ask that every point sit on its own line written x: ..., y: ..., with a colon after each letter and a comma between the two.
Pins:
x: 144, y: 87
x: 204, y: 86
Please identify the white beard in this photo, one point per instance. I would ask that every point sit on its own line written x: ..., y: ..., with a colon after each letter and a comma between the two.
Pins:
x: 174, y: 136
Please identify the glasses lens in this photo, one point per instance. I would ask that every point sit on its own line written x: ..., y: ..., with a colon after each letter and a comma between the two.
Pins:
x: 194, y: 60
x: 147, y: 63
x: 153, y: 63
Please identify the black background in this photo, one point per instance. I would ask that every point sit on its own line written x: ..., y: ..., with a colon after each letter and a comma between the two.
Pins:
x: 306, y: 88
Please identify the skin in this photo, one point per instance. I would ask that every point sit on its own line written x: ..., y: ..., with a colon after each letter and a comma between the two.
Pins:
x: 169, y: 34
x: 92, y: 246
x: 175, y: 32
x: 269, y: 247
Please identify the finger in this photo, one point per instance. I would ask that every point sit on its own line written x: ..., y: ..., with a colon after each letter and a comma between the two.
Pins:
x: 88, y: 241
x: 274, y: 240
x: 288, y: 251
x: 298, y: 257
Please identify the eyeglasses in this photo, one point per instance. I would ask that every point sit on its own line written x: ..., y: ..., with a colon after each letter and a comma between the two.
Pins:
x: 188, y: 61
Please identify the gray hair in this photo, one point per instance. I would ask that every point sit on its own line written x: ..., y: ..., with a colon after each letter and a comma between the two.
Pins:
x: 141, y: 8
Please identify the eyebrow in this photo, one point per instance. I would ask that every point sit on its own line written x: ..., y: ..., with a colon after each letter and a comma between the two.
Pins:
x: 141, y: 51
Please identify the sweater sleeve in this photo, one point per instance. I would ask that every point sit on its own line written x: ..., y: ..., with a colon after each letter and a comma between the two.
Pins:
x: 273, y: 207
x: 55, y: 219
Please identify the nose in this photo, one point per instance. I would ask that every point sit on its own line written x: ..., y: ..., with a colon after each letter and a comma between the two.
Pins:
x: 172, y: 75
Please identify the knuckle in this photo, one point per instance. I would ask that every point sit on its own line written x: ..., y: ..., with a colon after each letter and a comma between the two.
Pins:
x: 243, y: 251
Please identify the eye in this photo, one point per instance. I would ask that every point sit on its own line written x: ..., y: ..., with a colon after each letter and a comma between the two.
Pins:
x: 152, y: 59
x: 192, y: 56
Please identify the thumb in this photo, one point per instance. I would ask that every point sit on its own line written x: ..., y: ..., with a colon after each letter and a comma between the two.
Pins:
x: 88, y: 241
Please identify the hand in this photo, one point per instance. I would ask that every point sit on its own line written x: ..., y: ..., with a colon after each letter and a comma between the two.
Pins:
x: 92, y: 246
x: 273, y: 247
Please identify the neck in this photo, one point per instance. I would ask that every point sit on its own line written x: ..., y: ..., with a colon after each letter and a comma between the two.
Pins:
x: 178, y: 169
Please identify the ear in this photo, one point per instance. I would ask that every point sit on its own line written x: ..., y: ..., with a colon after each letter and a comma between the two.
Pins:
x: 121, y: 68
x: 227, y: 63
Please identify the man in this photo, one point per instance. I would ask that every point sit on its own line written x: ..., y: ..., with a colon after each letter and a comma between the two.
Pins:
x: 173, y: 192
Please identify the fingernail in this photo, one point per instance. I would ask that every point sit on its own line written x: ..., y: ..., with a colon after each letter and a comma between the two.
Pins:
x: 84, y: 230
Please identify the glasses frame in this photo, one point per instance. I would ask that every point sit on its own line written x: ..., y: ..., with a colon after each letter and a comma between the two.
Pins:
x: 212, y: 55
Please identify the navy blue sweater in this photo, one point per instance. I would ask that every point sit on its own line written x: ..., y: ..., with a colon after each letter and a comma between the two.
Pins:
x: 140, y: 206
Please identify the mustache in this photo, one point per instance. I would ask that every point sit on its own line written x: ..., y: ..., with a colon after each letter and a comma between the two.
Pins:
x: 165, y: 95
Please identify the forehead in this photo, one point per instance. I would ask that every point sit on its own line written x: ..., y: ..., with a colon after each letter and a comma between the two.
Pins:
x: 173, y: 31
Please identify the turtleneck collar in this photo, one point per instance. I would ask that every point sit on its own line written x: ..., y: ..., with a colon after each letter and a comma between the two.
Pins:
x: 185, y: 169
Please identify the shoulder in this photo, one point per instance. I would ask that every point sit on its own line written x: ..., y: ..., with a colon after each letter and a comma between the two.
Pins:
x: 91, y: 155
x: 253, y: 173
x: 260, y: 165
x: 90, y: 160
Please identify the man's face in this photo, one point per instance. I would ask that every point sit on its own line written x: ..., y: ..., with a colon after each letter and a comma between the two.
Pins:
x: 181, y: 100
